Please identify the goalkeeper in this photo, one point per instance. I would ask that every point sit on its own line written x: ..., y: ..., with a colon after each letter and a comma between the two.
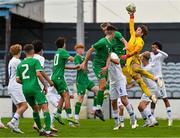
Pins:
x: 133, y: 63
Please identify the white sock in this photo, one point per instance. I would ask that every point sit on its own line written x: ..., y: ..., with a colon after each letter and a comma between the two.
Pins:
x: 15, y: 118
x: 17, y: 123
x: 116, y: 116
x: 52, y: 119
x: 76, y: 117
x: 143, y: 115
x: 169, y: 113
x: 131, y: 112
x: 121, y: 118
x: 148, y: 114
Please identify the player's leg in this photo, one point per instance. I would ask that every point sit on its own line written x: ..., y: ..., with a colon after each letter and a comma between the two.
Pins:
x: 78, y: 106
x: 42, y: 102
x: 137, y: 68
x: 1, y: 124
x: 121, y: 112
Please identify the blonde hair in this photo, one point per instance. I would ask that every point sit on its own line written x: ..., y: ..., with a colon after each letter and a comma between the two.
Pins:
x: 78, y: 46
x: 15, y: 49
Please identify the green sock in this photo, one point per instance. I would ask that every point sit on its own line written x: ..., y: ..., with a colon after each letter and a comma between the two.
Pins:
x: 47, y: 121
x: 68, y: 110
x: 77, y: 108
x: 37, y: 120
x: 59, y: 110
x: 95, y: 101
x: 100, y: 97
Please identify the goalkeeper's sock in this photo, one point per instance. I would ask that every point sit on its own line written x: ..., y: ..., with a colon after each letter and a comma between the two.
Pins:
x: 144, y: 87
x: 47, y: 121
x: 169, y: 113
x: 131, y: 112
x: 37, y: 120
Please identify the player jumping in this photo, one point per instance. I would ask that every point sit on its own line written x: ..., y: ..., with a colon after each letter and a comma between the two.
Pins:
x: 133, y: 63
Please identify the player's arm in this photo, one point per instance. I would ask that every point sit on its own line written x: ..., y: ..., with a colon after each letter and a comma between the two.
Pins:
x: 164, y: 54
x: 114, y: 58
x: 76, y: 67
x: 124, y: 42
x: 108, y: 61
x: 131, y: 24
x: 41, y: 78
x: 71, y: 58
x: 115, y: 61
x: 18, y: 74
x: 46, y: 77
x: 83, y: 66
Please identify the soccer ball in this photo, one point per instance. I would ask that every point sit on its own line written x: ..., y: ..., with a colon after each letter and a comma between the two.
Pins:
x: 131, y: 8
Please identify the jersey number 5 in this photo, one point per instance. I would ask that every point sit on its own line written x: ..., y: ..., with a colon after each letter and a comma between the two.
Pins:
x: 24, y: 76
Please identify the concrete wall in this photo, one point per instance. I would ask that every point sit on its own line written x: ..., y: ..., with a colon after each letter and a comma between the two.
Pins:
x: 114, y: 10
x: 6, y: 108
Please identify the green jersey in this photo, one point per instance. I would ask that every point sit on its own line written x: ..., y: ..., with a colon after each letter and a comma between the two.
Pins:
x: 118, y: 45
x: 26, y: 72
x: 81, y: 77
x: 102, y: 49
x: 60, y: 60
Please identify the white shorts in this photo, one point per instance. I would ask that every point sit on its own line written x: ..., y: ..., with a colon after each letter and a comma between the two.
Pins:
x: 162, y: 92
x: 119, y: 102
x: 52, y: 96
x: 117, y: 91
x: 17, y: 95
x: 144, y: 97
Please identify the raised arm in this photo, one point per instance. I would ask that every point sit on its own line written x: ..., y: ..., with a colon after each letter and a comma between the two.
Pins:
x: 131, y: 24
x: 124, y: 42
x: 164, y: 54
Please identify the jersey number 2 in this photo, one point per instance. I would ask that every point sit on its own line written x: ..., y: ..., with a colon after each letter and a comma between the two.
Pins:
x: 25, y: 71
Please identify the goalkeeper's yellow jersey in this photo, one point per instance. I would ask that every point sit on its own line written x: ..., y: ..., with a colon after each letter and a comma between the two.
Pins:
x: 135, y: 44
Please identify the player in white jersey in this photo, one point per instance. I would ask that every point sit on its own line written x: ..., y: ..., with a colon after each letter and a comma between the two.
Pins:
x: 145, y: 100
x: 157, y: 58
x: 118, y: 90
x: 15, y: 89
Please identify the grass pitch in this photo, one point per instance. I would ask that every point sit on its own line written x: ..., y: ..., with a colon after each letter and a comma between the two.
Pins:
x: 97, y: 128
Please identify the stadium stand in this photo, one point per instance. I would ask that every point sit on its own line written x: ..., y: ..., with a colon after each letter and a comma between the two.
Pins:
x: 171, y: 72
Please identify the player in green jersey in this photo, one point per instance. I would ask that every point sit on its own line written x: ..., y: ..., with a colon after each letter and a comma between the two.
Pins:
x: 101, y: 62
x: 82, y: 81
x: 28, y: 73
x: 60, y: 59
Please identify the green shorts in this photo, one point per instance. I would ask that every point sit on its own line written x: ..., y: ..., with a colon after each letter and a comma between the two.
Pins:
x: 81, y: 87
x: 99, y: 75
x: 60, y: 85
x: 36, y: 98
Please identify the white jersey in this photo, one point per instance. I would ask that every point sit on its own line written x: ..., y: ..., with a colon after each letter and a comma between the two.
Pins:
x: 115, y: 72
x: 41, y: 60
x: 156, y: 62
x: 12, y: 66
x: 150, y: 83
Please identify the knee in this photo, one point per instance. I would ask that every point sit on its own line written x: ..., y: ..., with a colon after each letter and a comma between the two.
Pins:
x: 140, y: 107
x: 121, y: 107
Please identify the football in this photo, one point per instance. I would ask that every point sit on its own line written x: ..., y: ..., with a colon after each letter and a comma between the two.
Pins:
x: 131, y: 8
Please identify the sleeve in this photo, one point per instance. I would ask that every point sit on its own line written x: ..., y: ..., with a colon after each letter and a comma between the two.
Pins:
x: 114, y: 56
x: 65, y: 55
x: 98, y: 45
x: 131, y: 26
x: 42, y: 60
x: 138, y: 47
x: 163, y: 54
x: 38, y: 66
x: 76, y: 61
x: 119, y: 36
x: 18, y: 74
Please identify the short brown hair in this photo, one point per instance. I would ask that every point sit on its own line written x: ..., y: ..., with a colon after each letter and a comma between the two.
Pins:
x: 103, y: 25
x: 15, y: 49
x: 60, y: 42
x: 78, y: 46
x: 28, y: 48
x: 144, y: 29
